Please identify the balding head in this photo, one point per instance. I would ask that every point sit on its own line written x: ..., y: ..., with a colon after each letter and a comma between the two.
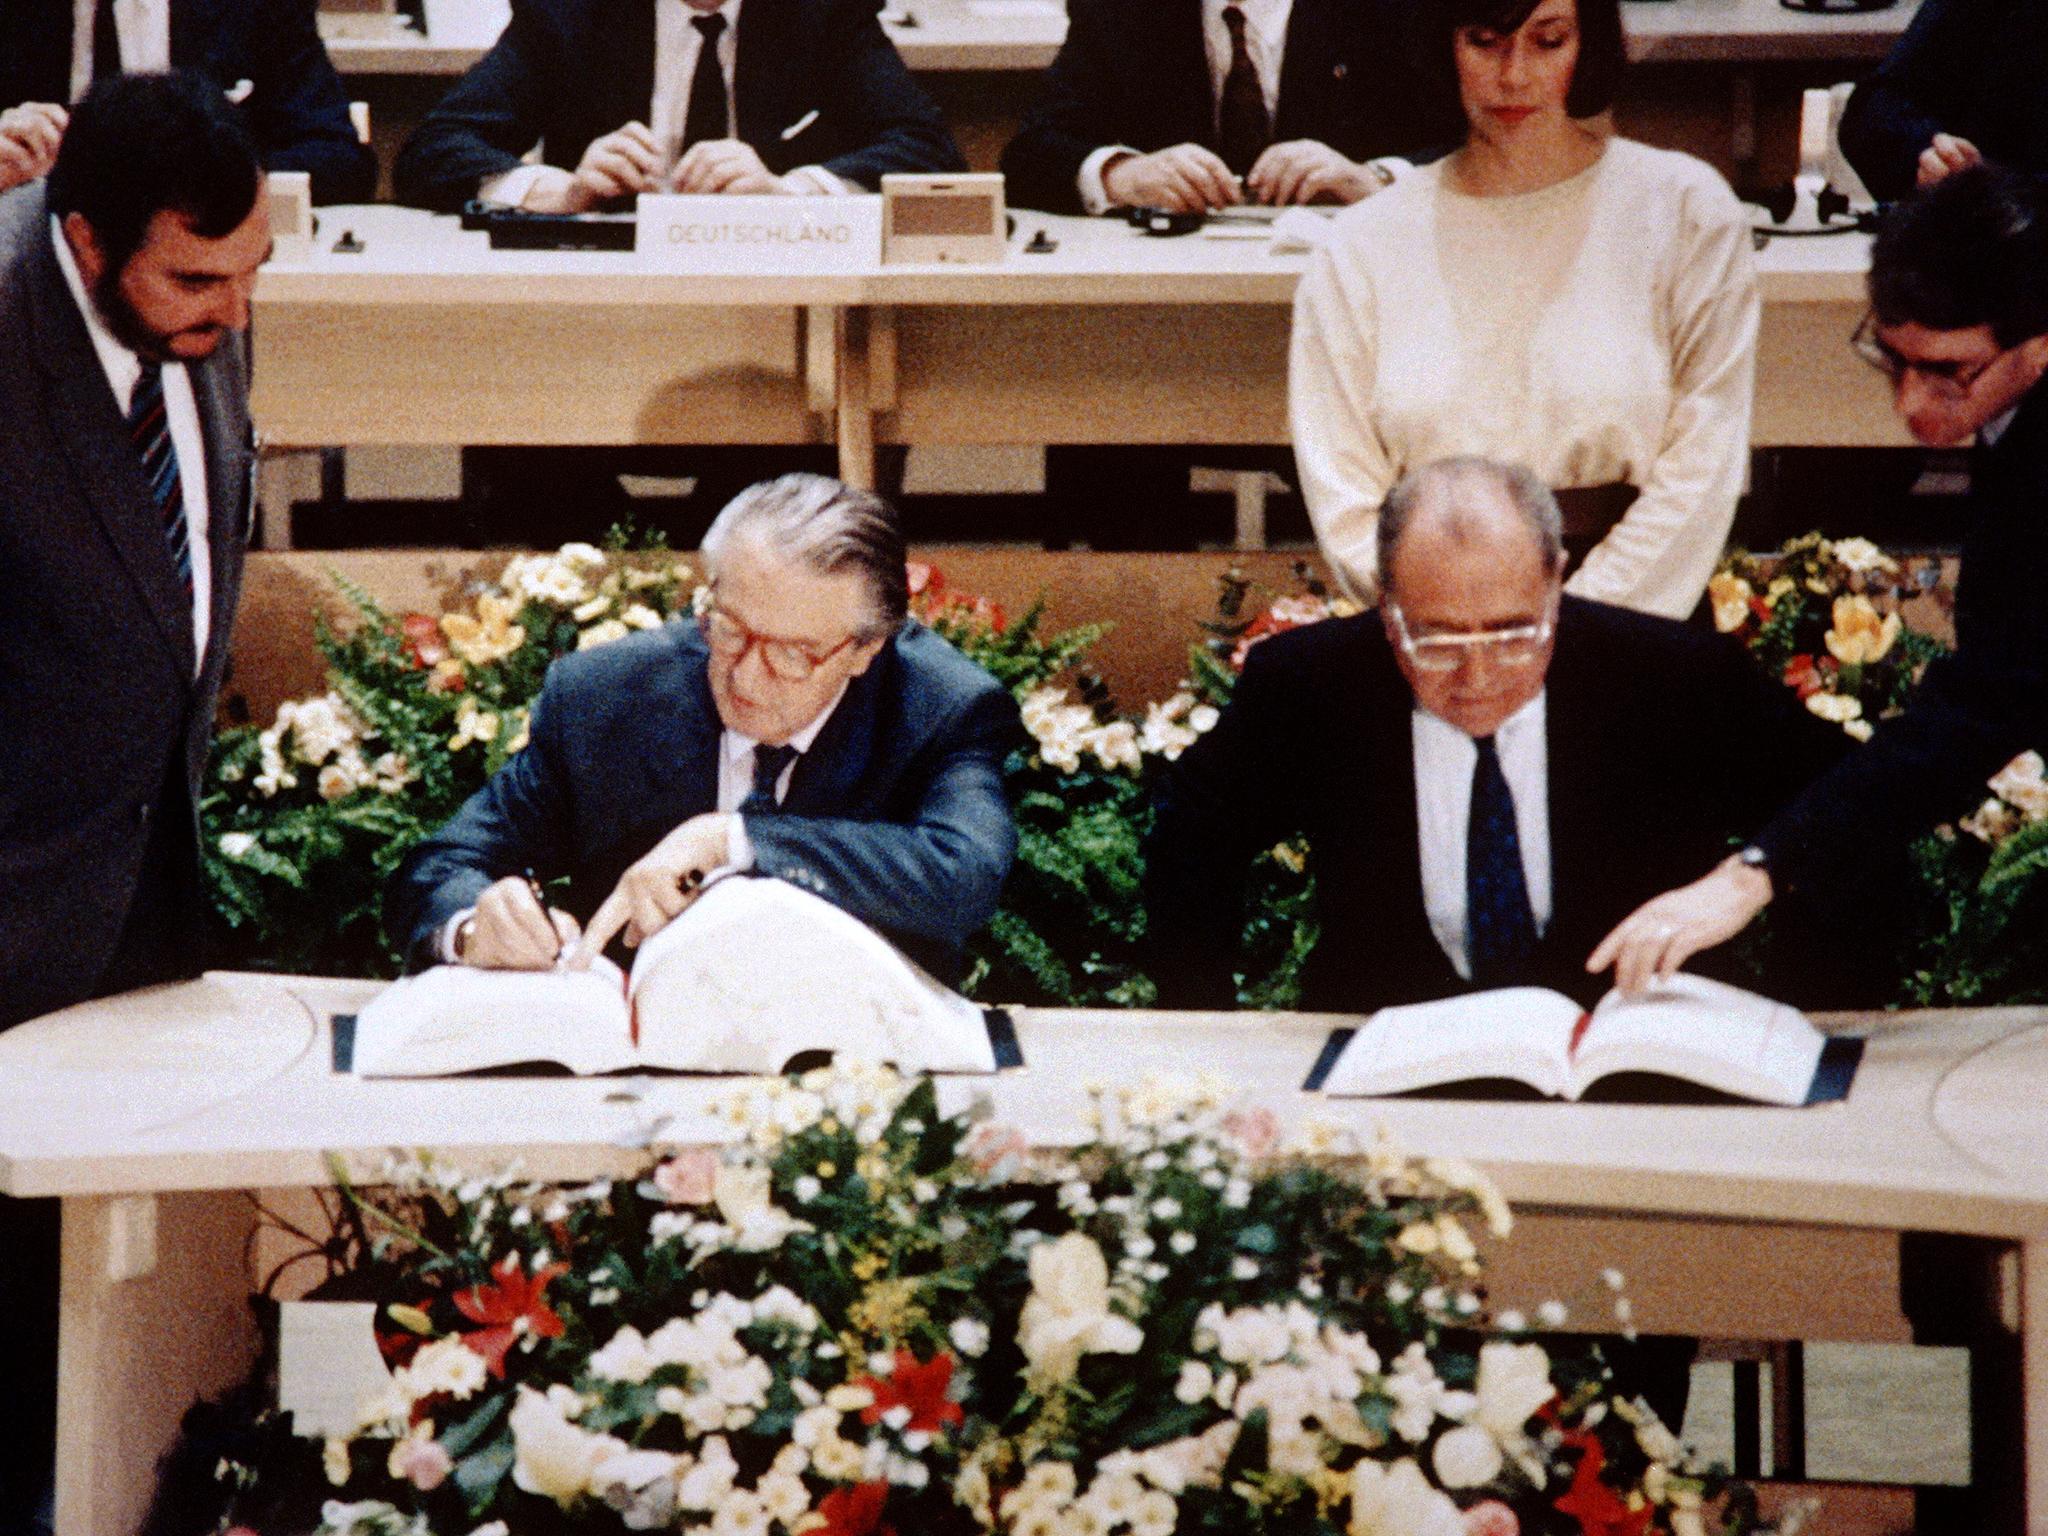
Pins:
x: 1470, y: 549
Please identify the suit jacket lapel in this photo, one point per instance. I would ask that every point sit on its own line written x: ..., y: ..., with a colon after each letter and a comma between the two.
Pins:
x: 682, y: 766
x: 1189, y: 112
x: 1581, y: 797
x: 90, y: 428
x: 1309, y: 62
x: 224, y: 430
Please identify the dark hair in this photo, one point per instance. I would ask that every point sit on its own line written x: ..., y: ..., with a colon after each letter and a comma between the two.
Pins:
x: 139, y: 145
x: 1603, y: 50
x: 827, y: 527
x: 1970, y: 250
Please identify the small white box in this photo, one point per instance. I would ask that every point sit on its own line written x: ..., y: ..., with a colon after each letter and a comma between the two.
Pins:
x: 943, y: 218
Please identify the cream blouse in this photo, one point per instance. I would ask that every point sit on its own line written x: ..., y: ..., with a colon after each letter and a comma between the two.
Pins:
x: 1599, y: 330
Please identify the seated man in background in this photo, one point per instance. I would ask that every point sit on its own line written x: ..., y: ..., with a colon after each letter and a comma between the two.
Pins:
x: 1190, y: 107
x: 1488, y: 772
x: 800, y: 729
x: 1186, y: 107
x: 1967, y: 81
x: 265, y: 54
x: 675, y: 95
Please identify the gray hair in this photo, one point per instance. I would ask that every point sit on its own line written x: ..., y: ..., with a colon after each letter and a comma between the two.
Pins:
x: 827, y: 527
x: 1444, y: 480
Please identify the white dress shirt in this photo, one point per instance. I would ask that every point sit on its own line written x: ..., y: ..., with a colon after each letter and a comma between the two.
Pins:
x: 1444, y: 760
x: 677, y: 46
x: 144, y: 30
x: 124, y: 371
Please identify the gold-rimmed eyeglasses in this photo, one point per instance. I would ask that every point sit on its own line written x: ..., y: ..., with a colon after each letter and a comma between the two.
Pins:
x: 789, y: 661
x: 1517, y: 646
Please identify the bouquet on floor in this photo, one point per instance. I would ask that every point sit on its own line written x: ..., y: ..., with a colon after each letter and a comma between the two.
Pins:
x: 871, y: 1315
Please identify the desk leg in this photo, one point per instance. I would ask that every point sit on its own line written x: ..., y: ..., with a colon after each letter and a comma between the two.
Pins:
x: 2034, y: 1378
x: 153, y: 1313
x: 855, y: 409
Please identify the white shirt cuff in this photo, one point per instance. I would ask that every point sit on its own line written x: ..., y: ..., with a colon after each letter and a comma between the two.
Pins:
x: 739, y: 848
x: 1094, y: 196
x: 444, y: 942
x: 509, y: 189
x: 816, y: 181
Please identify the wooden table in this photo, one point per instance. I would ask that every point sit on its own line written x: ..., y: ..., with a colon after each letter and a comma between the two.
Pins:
x: 149, y: 1115
x: 430, y: 337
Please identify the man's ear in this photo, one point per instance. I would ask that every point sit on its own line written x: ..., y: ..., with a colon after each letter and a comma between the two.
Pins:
x: 865, y: 653
x: 86, y: 250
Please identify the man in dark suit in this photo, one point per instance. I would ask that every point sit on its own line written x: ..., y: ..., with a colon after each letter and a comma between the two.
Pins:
x: 1488, y: 772
x: 1968, y: 81
x: 1192, y: 105
x: 125, y: 488
x: 1165, y: 103
x: 799, y: 729
x: 265, y: 53
x: 684, y: 95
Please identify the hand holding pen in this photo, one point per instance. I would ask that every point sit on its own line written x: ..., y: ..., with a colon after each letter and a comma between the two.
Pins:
x: 514, y: 928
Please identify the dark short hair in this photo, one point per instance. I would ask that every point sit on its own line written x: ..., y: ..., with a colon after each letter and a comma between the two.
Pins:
x: 1442, y: 480
x: 1603, y: 49
x: 140, y: 145
x: 827, y: 527
x: 1970, y: 250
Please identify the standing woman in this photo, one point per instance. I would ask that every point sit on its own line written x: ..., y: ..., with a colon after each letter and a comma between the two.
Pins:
x: 1549, y: 293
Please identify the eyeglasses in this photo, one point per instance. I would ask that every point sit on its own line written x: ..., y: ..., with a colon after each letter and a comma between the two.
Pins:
x: 789, y: 661
x: 1949, y: 381
x: 1516, y: 647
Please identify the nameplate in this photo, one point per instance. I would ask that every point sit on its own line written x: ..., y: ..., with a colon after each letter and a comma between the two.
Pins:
x: 759, y: 234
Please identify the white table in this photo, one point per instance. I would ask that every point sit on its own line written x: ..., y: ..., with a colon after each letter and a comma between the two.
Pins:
x: 149, y: 1114
x: 1757, y: 32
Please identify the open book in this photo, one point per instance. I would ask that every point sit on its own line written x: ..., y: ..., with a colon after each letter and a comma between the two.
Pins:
x: 754, y: 973
x: 1703, y: 1032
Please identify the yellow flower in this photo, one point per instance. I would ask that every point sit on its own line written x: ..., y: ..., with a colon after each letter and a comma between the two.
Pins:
x: 1860, y: 636
x: 489, y: 635
x: 1839, y: 708
x: 1730, y: 595
x: 472, y: 723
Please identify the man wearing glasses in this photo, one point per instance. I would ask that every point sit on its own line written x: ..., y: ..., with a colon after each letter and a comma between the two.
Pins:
x: 1488, y: 772
x: 1959, y: 325
x: 798, y: 729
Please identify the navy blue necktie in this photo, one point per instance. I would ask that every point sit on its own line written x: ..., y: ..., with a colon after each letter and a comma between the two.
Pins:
x: 705, y: 117
x: 1500, y: 928
x: 149, y: 428
x: 768, y: 765
x: 1242, y: 124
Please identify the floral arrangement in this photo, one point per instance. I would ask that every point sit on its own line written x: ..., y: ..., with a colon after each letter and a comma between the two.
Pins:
x: 1822, y: 616
x: 868, y: 1315
x: 303, y: 821
x: 1982, y: 898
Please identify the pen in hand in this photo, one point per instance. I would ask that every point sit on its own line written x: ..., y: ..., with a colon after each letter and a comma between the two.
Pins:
x: 540, y: 900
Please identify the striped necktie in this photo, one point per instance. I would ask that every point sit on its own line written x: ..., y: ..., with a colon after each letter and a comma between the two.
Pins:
x: 149, y: 429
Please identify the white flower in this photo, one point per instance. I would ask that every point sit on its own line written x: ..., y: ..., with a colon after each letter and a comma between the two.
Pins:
x: 1156, y: 1515
x: 1552, y: 1314
x: 1838, y: 707
x: 601, y: 634
x: 236, y: 845
x: 553, y: 1457
x: 1196, y: 1382
x: 1244, y: 1268
x: 1067, y: 1313
x: 1399, y: 1501
x: 2023, y: 784
x: 446, y: 1366
x: 1861, y: 555
x: 1467, y: 1457
x: 1182, y: 1242
x: 625, y: 1358
x: 969, y: 1336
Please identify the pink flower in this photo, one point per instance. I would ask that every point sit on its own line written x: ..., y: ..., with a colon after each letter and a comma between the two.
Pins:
x: 1490, y: 1517
x: 1257, y: 1131
x: 987, y: 1145
x: 689, y: 1177
x: 422, y: 1462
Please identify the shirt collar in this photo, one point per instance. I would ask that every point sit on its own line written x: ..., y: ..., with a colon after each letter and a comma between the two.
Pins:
x: 122, y: 367
x: 1511, y: 730
x: 739, y: 748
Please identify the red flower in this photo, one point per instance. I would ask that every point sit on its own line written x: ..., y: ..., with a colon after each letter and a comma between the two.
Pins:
x: 1802, y: 676
x: 510, y: 1305
x: 424, y: 642
x: 919, y: 1388
x: 398, y: 1348
x: 1599, y: 1510
x: 855, y: 1511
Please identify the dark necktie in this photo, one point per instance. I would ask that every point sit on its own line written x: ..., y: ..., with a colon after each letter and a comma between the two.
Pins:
x: 1242, y: 123
x: 768, y: 765
x: 1500, y: 928
x: 149, y: 429
x: 706, y: 117
x: 106, y: 41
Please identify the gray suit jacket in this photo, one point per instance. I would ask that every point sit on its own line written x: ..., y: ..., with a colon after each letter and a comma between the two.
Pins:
x: 103, y: 725
x: 896, y: 814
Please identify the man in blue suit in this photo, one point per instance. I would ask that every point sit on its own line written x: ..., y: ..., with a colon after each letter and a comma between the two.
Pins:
x: 799, y: 729
x: 264, y: 54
